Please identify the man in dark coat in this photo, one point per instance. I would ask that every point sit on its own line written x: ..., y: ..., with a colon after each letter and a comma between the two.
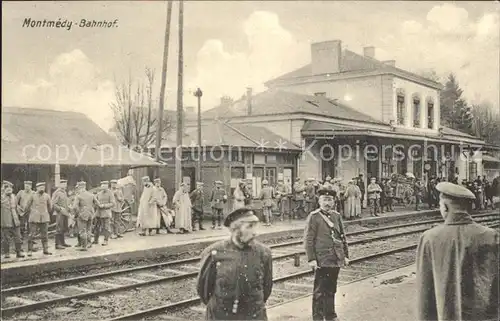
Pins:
x: 60, y: 203
x: 84, y: 204
x: 236, y: 275
x: 327, y: 251
x: 457, y: 263
x: 10, y: 221
x: 197, y: 202
x: 24, y: 200
x: 40, y: 218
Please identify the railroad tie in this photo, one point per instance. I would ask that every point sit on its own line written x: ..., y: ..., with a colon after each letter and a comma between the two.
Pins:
x: 308, y: 286
x: 51, y: 294
x: 127, y: 279
x: 191, y: 267
x: 149, y: 275
x: 18, y: 300
x: 106, y: 284
x: 290, y: 291
x: 173, y: 271
x: 81, y: 289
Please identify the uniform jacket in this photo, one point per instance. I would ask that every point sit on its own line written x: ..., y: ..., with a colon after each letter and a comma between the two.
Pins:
x: 106, y: 200
x: 374, y: 191
x: 24, y: 201
x: 119, y: 199
x: 282, y: 191
x: 84, y: 205
x: 161, y: 196
x: 266, y: 195
x: 457, y: 271
x: 318, y: 241
x: 41, y: 208
x: 310, y: 193
x: 197, y: 199
x: 229, y: 273
x: 9, y: 214
x: 217, y: 198
x: 299, y: 190
x: 60, y: 202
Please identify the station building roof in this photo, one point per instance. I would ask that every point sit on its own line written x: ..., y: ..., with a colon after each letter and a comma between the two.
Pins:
x: 44, y: 137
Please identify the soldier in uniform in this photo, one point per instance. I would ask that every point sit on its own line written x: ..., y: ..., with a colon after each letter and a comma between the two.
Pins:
x: 218, y: 198
x: 84, y: 205
x: 60, y: 203
x: 24, y: 200
x: 283, y: 195
x: 267, y: 195
x: 10, y: 221
x: 77, y: 191
x: 310, y: 197
x: 326, y: 249
x: 40, y: 218
x: 299, y: 196
x: 236, y: 275
x: 457, y: 263
x: 116, y: 211
x: 197, y: 202
x: 106, y: 202
x: 161, y: 198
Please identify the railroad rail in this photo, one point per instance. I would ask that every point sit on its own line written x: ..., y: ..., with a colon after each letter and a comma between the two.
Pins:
x: 184, y: 271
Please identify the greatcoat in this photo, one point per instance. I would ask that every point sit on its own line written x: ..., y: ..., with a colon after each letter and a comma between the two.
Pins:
x: 457, y: 271
x: 148, y: 210
x: 40, y: 208
x: 9, y: 215
x: 229, y: 273
x: 24, y: 201
x: 107, y: 201
x: 183, y: 215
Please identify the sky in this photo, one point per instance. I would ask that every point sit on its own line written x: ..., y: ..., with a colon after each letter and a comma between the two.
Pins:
x: 231, y: 45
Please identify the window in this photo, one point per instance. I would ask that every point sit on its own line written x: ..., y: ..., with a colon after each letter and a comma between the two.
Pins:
x: 235, y: 155
x: 322, y: 94
x: 416, y: 112
x: 430, y: 115
x: 472, y: 171
x: 271, y: 158
x: 270, y: 175
x: 401, y: 109
x: 259, y: 159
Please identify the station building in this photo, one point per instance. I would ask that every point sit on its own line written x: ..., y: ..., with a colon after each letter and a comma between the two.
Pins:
x: 352, y: 114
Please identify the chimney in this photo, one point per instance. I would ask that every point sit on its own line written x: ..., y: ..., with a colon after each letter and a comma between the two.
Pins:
x: 326, y: 57
x: 226, y: 101
x: 390, y: 63
x: 369, y: 52
x: 249, y: 101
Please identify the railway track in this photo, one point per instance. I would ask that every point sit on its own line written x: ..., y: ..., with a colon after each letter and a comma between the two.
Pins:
x: 180, y: 275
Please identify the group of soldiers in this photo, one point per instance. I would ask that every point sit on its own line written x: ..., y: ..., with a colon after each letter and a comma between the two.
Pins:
x: 29, y: 213
x: 235, y: 279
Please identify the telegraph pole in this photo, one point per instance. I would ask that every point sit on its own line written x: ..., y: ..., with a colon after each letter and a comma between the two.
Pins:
x: 180, y: 70
x: 198, y: 94
x: 159, y: 129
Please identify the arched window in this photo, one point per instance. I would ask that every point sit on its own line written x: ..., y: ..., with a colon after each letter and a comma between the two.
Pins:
x: 430, y: 112
x: 416, y: 110
x: 400, y: 106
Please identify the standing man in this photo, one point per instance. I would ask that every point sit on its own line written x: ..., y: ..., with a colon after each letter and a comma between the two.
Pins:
x: 310, y: 195
x: 236, y: 275
x: 60, y: 203
x: 84, y: 205
x: 457, y: 263
x: 197, y: 202
x: 24, y: 201
x: 106, y: 202
x: 299, y: 197
x: 326, y: 249
x: 267, y: 195
x: 217, y: 199
x: 40, y: 218
x: 148, y: 216
x: 10, y: 221
x: 374, y: 191
x: 161, y: 204
x: 283, y: 193
x: 182, y: 205
x: 361, y: 185
x: 117, y: 209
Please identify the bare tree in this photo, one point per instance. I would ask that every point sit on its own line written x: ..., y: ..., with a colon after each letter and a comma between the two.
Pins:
x: 135, y: 116
x: 486, y: 123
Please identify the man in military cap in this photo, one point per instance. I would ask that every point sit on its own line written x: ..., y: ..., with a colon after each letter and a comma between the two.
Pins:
x: 267, y: 196
x: 116, y: 211
x: 197, y: 203
x: 60, y: 203
x: 310, y: 196
x: 299, y: 197
x: 10, y: 221
x: 326, y: 249
x: 217, y: 199
x: 106, y: 202
x: 84, y: 205
x: 24, y: 201
x: 161, y: 203
x: 457, y: 263
x: 40, y: 218
x: 236, y: 275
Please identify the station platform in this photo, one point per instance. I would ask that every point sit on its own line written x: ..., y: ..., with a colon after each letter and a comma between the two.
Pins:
x: 389, y: 297
x: 135, y: 247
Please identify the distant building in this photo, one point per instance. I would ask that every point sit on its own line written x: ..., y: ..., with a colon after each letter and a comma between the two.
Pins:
x: 374, y: 109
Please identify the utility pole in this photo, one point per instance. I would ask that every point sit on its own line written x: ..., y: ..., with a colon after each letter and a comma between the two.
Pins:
x: 159, y: 129
x: 198, y: 94
x: 180, y: 70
